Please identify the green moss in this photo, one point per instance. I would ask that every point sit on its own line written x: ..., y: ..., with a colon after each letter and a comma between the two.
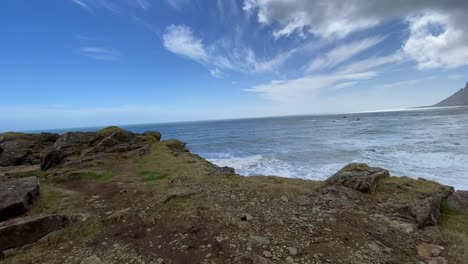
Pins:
x: 174, y: 144
x: 150, y: 176
x: 108, y: 130
x: 96, y: 175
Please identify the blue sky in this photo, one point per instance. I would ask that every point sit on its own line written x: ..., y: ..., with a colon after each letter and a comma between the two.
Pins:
x: 75, y: 63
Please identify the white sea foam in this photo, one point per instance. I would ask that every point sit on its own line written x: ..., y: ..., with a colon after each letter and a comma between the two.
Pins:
x: 259, y: 165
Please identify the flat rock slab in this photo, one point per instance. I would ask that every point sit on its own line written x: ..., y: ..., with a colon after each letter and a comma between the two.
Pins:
x: 29, y: 229
x: 459, y: 201
x: 17, y: 196
x: 359, y: 177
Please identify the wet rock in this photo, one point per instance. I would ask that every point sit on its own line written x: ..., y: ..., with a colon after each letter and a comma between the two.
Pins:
x: 359, y: 177
x: 423, y: 212
x: 51, y: 157
x: 17, y: 196
x: 155, y: 134
x: 459, y: 201
x: 29, y: 229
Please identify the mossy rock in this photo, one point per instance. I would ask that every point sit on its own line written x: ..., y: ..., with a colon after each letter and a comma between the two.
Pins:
x: 109, y: 130
x: 355, y: 167
x: 175, y: 145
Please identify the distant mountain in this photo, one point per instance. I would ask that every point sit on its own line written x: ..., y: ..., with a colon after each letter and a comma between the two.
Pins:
x: 457, y: 99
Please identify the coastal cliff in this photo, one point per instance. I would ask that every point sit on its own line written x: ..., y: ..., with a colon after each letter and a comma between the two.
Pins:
x: 114, y: 196
x: 459, y: 98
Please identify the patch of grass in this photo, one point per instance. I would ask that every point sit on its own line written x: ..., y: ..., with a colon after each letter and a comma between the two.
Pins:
x: 151, y: 176
x: 454, y: 220
x: 454, y: 226
x: 54, y: 200
x: 96, y: 175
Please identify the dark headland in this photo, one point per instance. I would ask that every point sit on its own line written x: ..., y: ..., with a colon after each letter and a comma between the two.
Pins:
x: 113, y: 196
x: 459, y: 98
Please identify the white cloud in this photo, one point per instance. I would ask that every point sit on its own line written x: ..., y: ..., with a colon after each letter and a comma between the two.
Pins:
x: 180, y: 40
x: 99, y: 53
x: 305, y: 88
x: 438, y: 35
x: 83, y: 5
x: 436, y: 42
x: 112, y: 5
x: 342, y: 53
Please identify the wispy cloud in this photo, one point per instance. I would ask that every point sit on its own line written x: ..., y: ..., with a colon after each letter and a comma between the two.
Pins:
x: 181, y: 40
x: 342, y: 54
x: 112, y: 6
x: 99, y: 53
x: 305, y: 88
x: 83, y: 4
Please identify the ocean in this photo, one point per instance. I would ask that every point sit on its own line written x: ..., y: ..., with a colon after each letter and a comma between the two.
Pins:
x: 429, y: 143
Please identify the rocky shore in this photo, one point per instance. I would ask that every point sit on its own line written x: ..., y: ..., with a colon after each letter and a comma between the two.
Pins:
x: 114, y: 196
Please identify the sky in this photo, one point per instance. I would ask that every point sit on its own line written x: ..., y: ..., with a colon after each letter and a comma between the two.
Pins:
x: 78, y: 63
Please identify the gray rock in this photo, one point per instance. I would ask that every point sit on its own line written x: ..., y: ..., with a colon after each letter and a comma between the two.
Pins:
x: 303, y: 200
x: 459, y: 201
x: 75, y: 142
x: 51, y: 157
x: 423, y: 212
x: 259, y: 240
x: 17, y: 196
x: 251, y: 258
x: 220, y: 171
x: 29, y: 229
x: 359, y: 177
x: 23, y: 149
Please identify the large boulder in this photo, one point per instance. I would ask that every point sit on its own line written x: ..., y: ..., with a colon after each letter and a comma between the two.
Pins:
x: 118, y: 141
x: 51, y: 157
x: 75, y: 142
x: 17, y: 196
x: 29, y: 229
x: 459, y: 201
x: 423, y: 212
x: 23, y: 149
x: 358, y: 176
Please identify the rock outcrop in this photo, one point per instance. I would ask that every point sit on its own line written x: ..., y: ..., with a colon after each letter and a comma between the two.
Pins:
x: 457, y: 99
x: 17, y: 196
x: 154, y: 134
x: 359, y: 177
x: 51, y: 157
x: 424, y: 212
x: 23, y: 149
x: 459, y: 201
x: 26, y: 230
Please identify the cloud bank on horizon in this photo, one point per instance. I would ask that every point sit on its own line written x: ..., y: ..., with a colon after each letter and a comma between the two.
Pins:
x: 253, y: 57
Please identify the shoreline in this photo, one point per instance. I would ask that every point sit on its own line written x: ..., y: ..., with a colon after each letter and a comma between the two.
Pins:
x: 113, y: 196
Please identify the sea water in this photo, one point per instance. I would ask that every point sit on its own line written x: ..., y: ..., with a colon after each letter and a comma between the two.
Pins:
x: 428, y: 143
